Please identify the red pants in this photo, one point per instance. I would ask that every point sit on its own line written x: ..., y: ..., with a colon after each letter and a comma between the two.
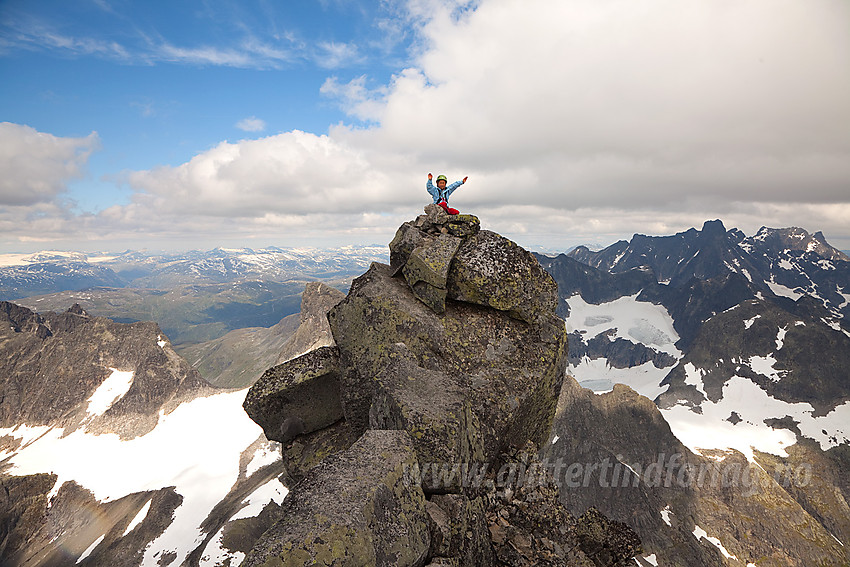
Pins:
x: 448, y: 209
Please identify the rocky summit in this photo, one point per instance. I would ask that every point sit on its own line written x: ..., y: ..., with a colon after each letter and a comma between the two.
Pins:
x: 410, y: 439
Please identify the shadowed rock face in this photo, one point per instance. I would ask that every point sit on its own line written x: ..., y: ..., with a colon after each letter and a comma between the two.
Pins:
x: 51, y: 364
x: 635, y: 469
x: 452, y: 355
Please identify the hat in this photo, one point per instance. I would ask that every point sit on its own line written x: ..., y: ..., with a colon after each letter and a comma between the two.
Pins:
x: 443, y: 177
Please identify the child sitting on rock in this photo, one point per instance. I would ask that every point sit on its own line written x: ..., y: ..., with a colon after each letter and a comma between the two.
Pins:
x: 441, y: 193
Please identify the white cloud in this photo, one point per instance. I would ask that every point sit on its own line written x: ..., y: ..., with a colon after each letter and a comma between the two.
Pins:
x: 37, y: 166
x: 356, y: 98
x: 251, y: 124
x: 332, y: 55
x: 575, y: 120
x: 248, y: 52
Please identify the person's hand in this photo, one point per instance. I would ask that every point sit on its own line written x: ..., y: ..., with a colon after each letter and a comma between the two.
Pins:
x: 465, y: 178
x: 430, y: 176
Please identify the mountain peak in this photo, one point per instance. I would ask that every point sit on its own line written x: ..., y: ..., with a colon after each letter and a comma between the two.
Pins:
x: 713, y: 227
x: 775, y: 241
x: 454, y: 348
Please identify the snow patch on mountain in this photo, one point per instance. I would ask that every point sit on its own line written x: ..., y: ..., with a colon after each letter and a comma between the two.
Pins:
x: 665, y: 515
x: 783, y: 291
x: 599, y: 376
x: 110, y: 391
x: 712, y: 429
x: 780, y: 337
x: 700, y: 533
x: 195, y: 448
x: 266, y: 454
x: 633, y: 320
x: 140, y: 517
x: 90, y: 548
x: 693, y: 377
x: 764, y: 365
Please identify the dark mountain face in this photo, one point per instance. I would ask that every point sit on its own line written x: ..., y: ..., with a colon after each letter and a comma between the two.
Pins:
x: 674, y: 260
x: 777, y: 262
x: 758, y: 382
x: 51, y: 364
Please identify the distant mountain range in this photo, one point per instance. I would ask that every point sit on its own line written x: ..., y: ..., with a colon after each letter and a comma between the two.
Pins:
x: 50, y: 272
x: 194, y: 296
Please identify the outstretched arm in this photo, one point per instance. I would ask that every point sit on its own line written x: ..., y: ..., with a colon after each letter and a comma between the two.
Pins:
x: 451, y: 188
x: 433, y: 191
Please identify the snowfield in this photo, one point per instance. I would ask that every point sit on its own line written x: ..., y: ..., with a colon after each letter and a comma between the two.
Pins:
x: 195, y: 448
x: 634, y: 321
x: 652, y: 325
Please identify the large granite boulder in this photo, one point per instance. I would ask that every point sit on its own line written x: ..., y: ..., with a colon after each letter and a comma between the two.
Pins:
x: 427, y: 269
x: 491, y: 270
x: 300, y: 396
x: 355, y: 508
x: 511, y: 371
x: 442, y: 256
x: 434, y: 407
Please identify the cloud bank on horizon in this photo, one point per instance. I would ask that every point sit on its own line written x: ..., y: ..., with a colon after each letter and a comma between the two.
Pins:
x: 576, y: 121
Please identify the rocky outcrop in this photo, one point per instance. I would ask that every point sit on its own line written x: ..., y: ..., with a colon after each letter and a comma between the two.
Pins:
x: 443, y: 362
x: 296, y: 398
x: 313, y: 330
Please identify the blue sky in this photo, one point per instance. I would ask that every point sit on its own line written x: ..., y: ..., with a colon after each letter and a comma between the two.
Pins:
x: 217, y: 123
x: 163, y: 81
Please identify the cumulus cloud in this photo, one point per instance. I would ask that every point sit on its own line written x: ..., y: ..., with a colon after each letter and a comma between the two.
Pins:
x: 595, y: 106
x: 575, y: 120
x: 37, y: 166
x: 251, y: 124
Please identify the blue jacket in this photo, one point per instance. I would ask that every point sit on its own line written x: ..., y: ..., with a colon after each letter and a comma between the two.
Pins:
x: 444, y: 194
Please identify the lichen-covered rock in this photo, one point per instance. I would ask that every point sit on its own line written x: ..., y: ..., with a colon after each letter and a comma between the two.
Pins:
x: 491, y: 270
x: 606, y: 543
x: 513, y: 370
x: 309, y: 449
x: 433, y: 223
x: 528, y: 525
x: 407, y: 238
x: 459, y: 530
x: 435, y: 408
x: 427, y: 269
x: 356, y: 508
x: 298, y: 396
